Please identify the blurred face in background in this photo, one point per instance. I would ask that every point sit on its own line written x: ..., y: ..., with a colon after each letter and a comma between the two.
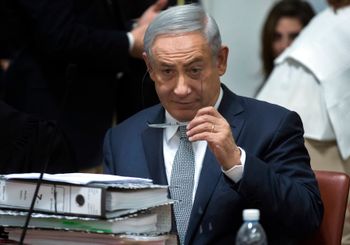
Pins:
x: 287, y: 29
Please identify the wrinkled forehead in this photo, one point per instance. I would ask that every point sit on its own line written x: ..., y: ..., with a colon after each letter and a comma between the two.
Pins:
x: 180, y: 42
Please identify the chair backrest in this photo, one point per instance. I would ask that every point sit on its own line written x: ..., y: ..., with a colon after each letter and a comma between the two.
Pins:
x: 334, y: 188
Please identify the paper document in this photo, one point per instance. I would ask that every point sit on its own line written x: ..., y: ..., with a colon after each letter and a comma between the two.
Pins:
x: 53, y: 198
x: 155, y: 220
x: 61, y: 194
x: 82, y: 178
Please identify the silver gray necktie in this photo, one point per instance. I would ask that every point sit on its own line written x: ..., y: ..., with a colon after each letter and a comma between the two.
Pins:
x: 181, y: 183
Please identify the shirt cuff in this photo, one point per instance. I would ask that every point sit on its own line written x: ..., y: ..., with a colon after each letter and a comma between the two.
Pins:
x: 236, y: 172
x: 131, y: 41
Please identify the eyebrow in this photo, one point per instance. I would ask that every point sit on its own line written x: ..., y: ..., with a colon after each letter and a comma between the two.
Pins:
x: 191, y: 62
x: 166, y: 64
x: 195, y: 60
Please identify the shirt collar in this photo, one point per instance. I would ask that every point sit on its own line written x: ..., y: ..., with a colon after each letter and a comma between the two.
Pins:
x: 171, y: 131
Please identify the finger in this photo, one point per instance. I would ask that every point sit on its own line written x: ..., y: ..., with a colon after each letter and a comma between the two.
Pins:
x: 201, y: 127
x: 159, y: 5
x: 206, y: 110
x: 209, y: 111
x: 204, y: 119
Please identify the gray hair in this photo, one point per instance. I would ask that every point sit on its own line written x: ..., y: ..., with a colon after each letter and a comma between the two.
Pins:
x: 183, y: 19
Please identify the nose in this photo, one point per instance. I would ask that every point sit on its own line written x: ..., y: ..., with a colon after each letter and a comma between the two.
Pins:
x: 182, y: 87
x: 286, y: 42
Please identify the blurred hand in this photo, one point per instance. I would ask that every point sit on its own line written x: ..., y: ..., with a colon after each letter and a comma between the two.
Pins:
x: 211, y: 126
x: 152, y: 12
x: 4, y: 64
x: 139, y: 31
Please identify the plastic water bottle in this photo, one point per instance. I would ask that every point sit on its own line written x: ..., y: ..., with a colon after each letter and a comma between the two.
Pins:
x: 251, y: 231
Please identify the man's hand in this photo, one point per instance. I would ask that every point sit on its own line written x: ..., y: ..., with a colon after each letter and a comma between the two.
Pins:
x: 209, y: 125
x: 139, y: 31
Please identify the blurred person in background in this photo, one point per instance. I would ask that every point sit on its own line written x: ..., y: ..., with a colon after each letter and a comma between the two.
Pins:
x: 312, y: 77
x: 283, y: 24
x: 65, y: 63
x: 28, y: 143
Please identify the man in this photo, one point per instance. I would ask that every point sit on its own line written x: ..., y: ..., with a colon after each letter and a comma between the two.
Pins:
x: 269, y: 170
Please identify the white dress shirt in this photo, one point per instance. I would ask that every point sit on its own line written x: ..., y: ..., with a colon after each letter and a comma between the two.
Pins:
x: 171, y: 142
x: 131, y: 41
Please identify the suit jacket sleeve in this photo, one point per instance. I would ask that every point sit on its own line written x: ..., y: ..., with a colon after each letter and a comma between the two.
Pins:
x: 58, y: 33
x: 280, y: 182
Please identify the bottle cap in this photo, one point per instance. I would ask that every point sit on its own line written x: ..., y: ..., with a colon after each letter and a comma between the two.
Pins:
x: 251, y: 214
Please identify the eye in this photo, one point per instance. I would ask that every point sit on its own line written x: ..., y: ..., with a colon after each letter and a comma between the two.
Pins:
x: 195, y: 72
x: 277, y: 36
x: 292, y: 36
x: 166, y: 73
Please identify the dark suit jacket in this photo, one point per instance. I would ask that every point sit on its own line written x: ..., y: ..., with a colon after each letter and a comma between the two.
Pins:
x: 277, y: 177
x: 29, y: 144
x: 65, y: 68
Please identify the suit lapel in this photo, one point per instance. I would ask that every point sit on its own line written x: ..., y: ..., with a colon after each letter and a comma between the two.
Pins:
x: 154, y: 151
x: 208, y: 180
x: 231, y: 109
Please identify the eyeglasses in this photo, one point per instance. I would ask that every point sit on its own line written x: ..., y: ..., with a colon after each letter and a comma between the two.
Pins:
x: 166, y: 125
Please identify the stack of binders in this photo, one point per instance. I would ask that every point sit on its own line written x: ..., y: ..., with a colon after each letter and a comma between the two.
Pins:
x: 80, y: 206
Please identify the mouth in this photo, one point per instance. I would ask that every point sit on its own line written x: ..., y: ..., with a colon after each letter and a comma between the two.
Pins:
x: 184, y: 102
x: 184, y: 105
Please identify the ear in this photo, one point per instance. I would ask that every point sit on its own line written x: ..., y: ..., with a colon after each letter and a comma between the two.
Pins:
x: 222, y: 60
x: 148, y: 62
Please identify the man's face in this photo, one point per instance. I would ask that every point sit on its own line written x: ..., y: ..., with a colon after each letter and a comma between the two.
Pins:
x: 186, y: 75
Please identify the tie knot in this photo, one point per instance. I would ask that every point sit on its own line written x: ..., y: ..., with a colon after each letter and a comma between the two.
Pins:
x: 182, y: 130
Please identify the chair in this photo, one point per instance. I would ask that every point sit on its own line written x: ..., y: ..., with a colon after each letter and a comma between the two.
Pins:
x: 334, y: 188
